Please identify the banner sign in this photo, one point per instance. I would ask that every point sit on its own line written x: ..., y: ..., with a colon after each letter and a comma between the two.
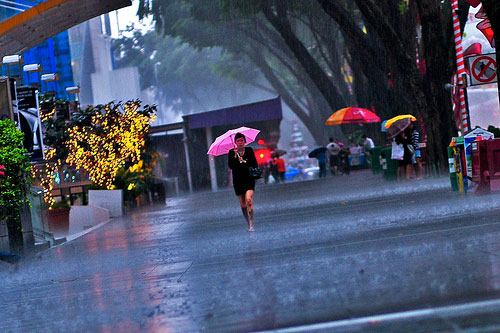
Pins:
x: 29, y: 122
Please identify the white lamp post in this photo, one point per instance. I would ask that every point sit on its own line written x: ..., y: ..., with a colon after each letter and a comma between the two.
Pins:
x: 51, y: 77
x: 14, y: 59
x: 33, y: 68
x: 73, y: 90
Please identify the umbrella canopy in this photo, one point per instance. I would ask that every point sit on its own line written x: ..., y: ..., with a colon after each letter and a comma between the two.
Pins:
x: 224, y: 143
x: 398, y: 124
x: 314, y: 153
x: 389, y: 122
x: 352, y: 115
x: 383, y: 129
x: 279, y: 152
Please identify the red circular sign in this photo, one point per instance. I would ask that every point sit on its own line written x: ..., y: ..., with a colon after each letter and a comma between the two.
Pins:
x: 489, y: 63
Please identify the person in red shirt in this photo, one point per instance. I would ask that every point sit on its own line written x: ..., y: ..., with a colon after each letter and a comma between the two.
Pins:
x: 279, y: 163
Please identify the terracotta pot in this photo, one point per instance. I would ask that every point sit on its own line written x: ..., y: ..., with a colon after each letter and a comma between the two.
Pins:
x: 59, y: 220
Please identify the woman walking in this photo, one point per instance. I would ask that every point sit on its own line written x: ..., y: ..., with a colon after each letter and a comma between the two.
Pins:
x: 239, y: 159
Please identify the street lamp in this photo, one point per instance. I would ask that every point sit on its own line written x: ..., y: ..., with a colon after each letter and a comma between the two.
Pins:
x: 14, y: 59
x: 32, y: 68
x: 73, y: 90
x: 51, y: 77
x: 73, y: 105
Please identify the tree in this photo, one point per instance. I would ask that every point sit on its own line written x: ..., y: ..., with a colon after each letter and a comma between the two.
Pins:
x: 104, y: 137
x: 184, y: 77
x: 206, y: 24
x: 15, y: 180
x: 388, y: 33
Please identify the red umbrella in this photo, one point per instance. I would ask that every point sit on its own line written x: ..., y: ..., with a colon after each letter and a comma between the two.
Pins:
x: 352, y: 115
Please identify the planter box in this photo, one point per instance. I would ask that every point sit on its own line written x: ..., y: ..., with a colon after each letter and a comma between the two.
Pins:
x: 85, y: 217
x: 58, y: 220
x: 111, y: 200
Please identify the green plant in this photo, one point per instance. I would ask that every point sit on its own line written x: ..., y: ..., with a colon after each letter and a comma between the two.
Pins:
x: 14, y: 185
x: 494, y: 130
x: 61, y: 204
x: 134, y: 180
x: 105, y: 137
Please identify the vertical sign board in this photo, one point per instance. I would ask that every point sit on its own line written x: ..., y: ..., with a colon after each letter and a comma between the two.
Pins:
x: 483, y: 69
x: 29, y: 122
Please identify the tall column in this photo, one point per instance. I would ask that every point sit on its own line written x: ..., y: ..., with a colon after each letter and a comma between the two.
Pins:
x: 186, y: 152
x: 211, y: 163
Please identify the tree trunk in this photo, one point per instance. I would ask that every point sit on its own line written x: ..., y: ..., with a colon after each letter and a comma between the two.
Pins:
x: 280, y: 22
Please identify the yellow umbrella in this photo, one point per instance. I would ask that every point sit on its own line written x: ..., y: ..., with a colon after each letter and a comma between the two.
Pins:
x: 393, y: 120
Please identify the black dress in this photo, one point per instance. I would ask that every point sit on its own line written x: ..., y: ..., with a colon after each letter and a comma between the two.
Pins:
x: 242, y: 181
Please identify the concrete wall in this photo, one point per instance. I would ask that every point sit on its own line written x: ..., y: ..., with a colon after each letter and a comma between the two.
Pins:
x: 111, y: 200
x: 85, y: 217
x: 117, y: 85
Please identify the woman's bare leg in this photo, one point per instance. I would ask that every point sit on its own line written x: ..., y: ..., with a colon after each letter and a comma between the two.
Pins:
x: 244, y: 209
x: 249, y: 205
x: 409, y: 168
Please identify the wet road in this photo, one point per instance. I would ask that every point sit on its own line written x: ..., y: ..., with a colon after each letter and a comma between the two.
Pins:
x: 326, y: 254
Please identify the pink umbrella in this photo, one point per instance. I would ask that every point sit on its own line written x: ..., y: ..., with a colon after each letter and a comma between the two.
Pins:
x: 224, y: 143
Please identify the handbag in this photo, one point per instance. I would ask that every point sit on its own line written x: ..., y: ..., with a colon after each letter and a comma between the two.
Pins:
x: 397, y: 152
x: 255, y: 173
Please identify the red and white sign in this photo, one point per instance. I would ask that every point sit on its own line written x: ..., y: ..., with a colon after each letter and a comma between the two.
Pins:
x: 483, y: 69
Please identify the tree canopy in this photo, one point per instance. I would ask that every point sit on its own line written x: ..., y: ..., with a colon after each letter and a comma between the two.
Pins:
x: 323, y: 55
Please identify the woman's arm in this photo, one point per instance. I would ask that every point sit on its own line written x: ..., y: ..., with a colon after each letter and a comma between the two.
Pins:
x: 231, y: 159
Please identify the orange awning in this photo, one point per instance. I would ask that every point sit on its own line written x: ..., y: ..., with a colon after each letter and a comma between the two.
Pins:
x: 35, y: 25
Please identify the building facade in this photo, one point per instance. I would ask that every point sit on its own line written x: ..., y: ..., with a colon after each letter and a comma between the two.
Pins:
x: 54, y: 54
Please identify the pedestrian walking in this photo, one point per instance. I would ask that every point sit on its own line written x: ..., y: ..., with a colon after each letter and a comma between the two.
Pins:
x: 322, y: 164
x: 333, y: 155
x: 239, y: 159
x: 279, y: 164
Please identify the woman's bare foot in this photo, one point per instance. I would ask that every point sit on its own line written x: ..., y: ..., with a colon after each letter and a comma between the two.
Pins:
x: 251, y: 229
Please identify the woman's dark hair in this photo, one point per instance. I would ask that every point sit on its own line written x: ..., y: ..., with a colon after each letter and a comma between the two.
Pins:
x: 239, y: 135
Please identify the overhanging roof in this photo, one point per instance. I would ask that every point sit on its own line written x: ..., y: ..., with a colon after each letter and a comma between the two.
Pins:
x: 260, y: 111
x: 28, y: 29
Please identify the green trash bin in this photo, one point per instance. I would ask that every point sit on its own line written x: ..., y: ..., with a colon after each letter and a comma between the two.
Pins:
x: 375, y: 160
x: 389, y: 166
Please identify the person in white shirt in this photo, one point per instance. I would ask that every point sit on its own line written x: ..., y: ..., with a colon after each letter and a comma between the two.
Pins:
x: 367, y: 143
x: 333, y: 155
x: 367, y: 146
